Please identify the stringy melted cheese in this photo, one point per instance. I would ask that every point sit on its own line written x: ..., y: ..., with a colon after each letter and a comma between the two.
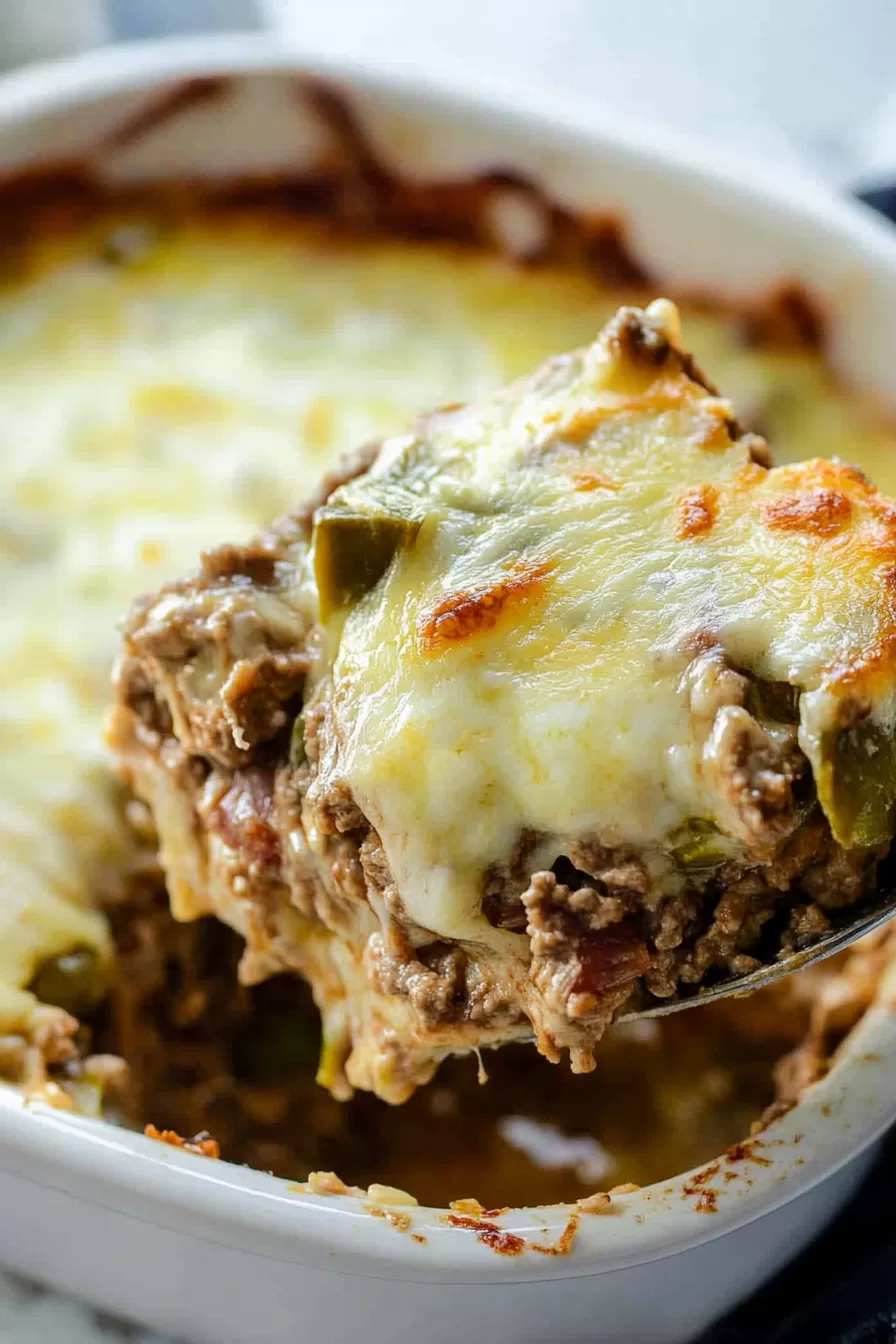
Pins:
x: 190, y: 394
x: 584, y: 535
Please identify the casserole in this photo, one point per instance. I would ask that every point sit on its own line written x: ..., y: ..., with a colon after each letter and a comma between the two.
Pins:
x: 235, y: 1255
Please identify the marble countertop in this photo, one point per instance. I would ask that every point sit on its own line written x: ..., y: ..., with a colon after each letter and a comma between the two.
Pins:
x: 31, y: 1315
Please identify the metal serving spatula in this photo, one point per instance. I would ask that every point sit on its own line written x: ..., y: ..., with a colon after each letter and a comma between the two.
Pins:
x: 860, y: 919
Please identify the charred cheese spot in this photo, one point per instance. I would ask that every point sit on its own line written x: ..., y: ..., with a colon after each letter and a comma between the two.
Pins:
x: 747, y: 479
x: 714, y: 428
x: 821, y: 513
x: 860, y: 483
x: 464, y: 615
x: 866, y: 672
x: 884, y: 513
x: 696, y: 511
x: 660, y: 395
x: 581, y: 424
x: 585, y: 481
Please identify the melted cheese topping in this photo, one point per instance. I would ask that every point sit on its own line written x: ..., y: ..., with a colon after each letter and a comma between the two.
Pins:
x: 151, y: 408
x: 581, y: 538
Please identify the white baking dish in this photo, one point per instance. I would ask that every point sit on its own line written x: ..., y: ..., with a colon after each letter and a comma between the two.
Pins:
x: 222, y: 1254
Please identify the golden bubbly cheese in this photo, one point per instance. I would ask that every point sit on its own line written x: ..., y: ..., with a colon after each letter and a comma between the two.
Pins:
x: 186, y: 385
x: 562, y: 554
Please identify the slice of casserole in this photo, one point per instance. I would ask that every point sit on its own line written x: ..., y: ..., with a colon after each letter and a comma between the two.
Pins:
x: 561, y: 701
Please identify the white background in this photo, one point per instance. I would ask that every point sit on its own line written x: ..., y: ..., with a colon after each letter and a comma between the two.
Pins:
x: 808, y: 82
x: 801, y: 79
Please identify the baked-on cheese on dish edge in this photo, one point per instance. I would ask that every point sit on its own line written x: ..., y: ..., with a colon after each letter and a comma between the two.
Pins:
x: 553, y: 704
